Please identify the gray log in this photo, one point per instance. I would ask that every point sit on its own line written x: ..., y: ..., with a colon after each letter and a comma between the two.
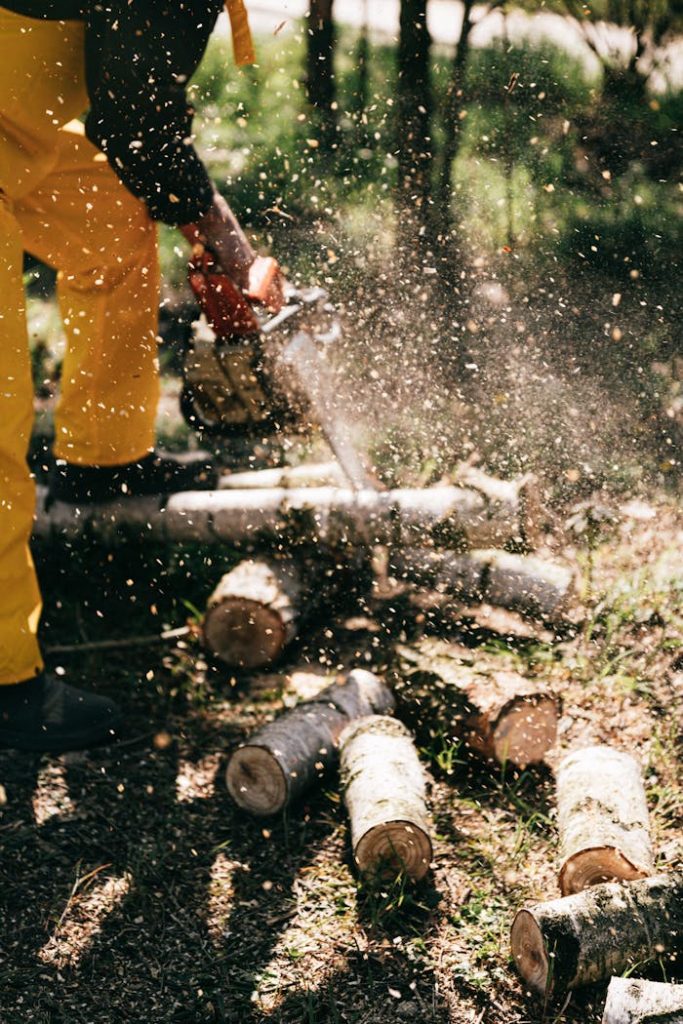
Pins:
x: 602, y: 819
x: 280, y: 762
x: 631, y: 1001
x: 385, y: 793
x: 604, y: 930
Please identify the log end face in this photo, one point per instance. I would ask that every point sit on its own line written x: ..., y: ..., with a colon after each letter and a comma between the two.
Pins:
x: 256, y: 781
x: 594, y: 866
x: 392, y: 848
x: 529, y: 952
x: 244, y: 634
x: 526, y: 731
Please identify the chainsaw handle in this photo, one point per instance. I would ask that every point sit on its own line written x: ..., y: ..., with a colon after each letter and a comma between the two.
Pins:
x: 265, y: 284
x: 228, y: 309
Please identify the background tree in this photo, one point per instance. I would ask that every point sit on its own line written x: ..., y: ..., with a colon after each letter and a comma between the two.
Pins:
x: 320, y: 80
x: 415, y: 104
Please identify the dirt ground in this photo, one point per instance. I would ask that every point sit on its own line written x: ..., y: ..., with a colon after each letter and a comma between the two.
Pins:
x: 132, y: 889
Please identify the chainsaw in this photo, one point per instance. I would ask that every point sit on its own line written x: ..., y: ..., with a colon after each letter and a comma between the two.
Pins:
x: 255, y: 367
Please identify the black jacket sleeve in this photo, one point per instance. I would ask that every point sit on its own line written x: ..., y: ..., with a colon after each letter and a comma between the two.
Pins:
x: 139, y: 56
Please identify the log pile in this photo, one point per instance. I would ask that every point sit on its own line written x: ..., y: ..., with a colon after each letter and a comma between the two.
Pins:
x: 606, y: 929
x: 385, y: 794
x: 280, y: 762
x: 499, y: 714
x: 631, y: 1001
x: 602, y: 819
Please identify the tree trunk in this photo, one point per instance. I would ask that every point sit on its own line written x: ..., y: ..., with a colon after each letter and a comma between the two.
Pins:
x: 602, y: 819
x: 320, y: 80
x: 384, y: 791
x: 533, y: 586
x: 447, y: 516
x: 451, y: 120
x: 280, y: 762
x: 630, y: 1001
x: 414, y: 96
x: 605, y: 930
x: 254, y: 613
x: 500, y: 715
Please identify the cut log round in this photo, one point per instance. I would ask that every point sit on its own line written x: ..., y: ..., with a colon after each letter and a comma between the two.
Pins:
x: 500, y: 714
x: 384, y: 791
x: 280, y: 762
x: 602, y: 819
x: 253, y: 613
x: 533, y: 586
x: 632, y: 1001
x: 604, y: 930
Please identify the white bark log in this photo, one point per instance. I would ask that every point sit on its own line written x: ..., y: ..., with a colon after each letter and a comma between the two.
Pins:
x: 323, y: 474
x: 533, y: 586
x: 631, y: 1001
x: 448, y: 516
x: 604, y: 930
x: 254, y: 613
x: 500, y: 714
x: 603, y: 819
x: 384, y: 791
x: 280, y: 762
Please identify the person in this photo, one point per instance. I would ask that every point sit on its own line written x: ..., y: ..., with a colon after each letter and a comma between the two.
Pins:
x: 84, y: 198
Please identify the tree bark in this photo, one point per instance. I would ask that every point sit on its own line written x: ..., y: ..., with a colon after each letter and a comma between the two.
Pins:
x: 631, y: 1001
x: 499, y: 714
x: 322, y: 474
x: 451, y: 119
x: 446, y: 516
x: 607, y: 929
x: 254, y: 612
x: 276, y: 765
x: 384, y: 791
x: 533, y: 586
x: 414, y: 99
x: 602, y: 819
x: 320, y: 80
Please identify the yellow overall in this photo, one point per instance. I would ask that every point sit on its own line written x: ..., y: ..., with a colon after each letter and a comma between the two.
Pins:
x: 60, y: 200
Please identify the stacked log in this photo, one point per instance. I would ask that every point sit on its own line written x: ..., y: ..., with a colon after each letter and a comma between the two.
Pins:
x: 532, y: 586
x: 499, y: 714
x: 602, y: 819
x: 630, y: 1001
x: 385, y: 796
x: 276, y: 765
x: 604, y: 930
x: 444, y: 516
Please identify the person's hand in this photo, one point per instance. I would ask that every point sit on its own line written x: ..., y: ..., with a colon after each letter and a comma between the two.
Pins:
x: 220, y: 231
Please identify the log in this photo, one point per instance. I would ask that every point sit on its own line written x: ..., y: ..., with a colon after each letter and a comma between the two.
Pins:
x: 385, y: 793
x: 498, y: 713
x: 604, y: 930
x: 322, y: 474
x: 602, y: 819
x: 444, y: 516
x: 254, y: 613
x: 536, y: 587
x: 280, y: 762
x: 632, y: 1001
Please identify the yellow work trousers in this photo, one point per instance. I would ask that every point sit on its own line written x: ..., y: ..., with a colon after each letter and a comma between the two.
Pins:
x: 60, y: 201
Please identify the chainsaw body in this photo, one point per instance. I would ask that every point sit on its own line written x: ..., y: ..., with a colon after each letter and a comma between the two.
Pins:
x: 237, y: 385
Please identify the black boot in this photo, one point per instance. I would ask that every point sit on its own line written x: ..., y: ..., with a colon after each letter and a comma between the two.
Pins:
x: 44, y: 714
x: 153, y: 474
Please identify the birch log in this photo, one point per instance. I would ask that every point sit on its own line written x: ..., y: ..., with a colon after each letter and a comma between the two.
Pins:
x: 533, y: 586
x: 318, y: 474
x: 280, y: 762
x: 384, y: 791
x: 602, y: 819
x: 631, y: 1001
x: 499, y: 714
x: 254, y: 613
x: 445, y: 516
x: 604, y: 930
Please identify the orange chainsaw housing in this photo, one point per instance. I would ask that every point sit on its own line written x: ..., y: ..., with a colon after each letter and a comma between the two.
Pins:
x: 229, y: 310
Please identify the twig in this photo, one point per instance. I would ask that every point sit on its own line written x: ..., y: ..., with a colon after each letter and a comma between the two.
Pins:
x: 112, y: 645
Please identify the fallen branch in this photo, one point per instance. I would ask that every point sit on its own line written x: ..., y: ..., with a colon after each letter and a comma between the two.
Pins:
x: 384, y: 792
x: 602, y: 819
x: 280, y: 762
x: 498, y: 713
x: 122, y: 644
x: 604, y: 930
x: 630, y: 1001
